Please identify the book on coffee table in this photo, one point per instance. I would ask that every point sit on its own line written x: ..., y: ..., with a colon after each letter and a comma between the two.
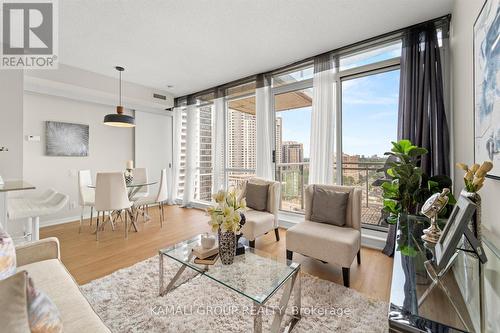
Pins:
x: 202, y: 253
x: 207, y: 261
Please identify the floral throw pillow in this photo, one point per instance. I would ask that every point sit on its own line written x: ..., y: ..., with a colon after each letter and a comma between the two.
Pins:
x: 7, y: 255
x: 43, y: 315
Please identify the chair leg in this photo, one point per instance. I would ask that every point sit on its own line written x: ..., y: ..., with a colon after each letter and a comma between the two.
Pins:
x: 289, y: 255
x: 160, y: 208
x: 97, y: 228
x: 112, y: 221
x: 359, y: 257
x: 91, y: 214
x: 277, y: 234
x: 81, y: 220
x: 126, y: 222
x: 252, y: 244
x: 345, y: 276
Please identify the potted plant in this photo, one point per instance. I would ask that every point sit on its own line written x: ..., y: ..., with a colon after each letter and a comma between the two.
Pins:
x: 407, y: 187
x: 226, y: 218
x: 474, y: 180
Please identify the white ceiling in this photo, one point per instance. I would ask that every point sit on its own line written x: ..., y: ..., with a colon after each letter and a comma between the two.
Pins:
x: 197, y: 44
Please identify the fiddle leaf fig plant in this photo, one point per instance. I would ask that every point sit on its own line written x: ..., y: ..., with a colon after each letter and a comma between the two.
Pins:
x: 407, y: 186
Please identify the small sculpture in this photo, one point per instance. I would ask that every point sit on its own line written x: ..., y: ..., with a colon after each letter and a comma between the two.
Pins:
x: 431, y: 209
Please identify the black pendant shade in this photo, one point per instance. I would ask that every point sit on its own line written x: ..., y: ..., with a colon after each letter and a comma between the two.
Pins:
x: 119, y: 119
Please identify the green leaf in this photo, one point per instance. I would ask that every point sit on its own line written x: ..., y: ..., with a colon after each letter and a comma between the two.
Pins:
x: 390, y: 172
x: 415, y: 151
x: 408, y: 250
x: 392, y: 219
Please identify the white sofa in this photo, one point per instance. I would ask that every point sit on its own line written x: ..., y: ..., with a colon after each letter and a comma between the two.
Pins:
x: 326, y: 242
x: 41, y: 259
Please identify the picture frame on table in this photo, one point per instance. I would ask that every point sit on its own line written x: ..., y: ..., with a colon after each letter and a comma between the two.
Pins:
x: 486, y: 58
x: 452, y: 233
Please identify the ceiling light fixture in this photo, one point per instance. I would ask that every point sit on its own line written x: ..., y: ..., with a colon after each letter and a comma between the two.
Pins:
x: 119, y: 119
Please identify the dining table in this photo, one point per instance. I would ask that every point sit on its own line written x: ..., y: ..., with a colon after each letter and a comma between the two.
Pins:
x: 132, y: 189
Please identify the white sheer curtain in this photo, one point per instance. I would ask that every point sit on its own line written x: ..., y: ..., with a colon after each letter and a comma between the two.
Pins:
x: 264, y: 163
x: 192, y: 144
x: 321, y: 170
x: 218, y: 144
x: 173, y: 183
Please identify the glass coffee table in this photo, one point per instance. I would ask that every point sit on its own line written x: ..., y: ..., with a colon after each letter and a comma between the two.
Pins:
x: 254, y: 275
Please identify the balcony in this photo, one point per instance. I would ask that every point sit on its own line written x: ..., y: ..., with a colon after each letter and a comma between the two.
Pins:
x: 294, y: 177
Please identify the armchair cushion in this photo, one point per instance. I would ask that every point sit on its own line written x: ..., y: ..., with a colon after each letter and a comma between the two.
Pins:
x: 256, y: 196
x: 329, y: 206
x: 257, y: 224
x: 335, y: 245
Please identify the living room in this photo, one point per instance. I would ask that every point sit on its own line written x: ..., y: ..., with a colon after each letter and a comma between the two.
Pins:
x: 259, y: 166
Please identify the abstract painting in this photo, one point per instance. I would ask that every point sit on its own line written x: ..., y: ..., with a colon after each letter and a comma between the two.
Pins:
x: 487, y: 86
x: 65, y: 139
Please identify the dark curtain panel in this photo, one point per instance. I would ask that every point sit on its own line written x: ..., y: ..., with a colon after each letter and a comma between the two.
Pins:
x: 422, y: 117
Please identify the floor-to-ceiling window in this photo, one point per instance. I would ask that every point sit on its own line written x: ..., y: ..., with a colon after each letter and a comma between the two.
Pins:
x: 292, y: 133
x: 240, y: 136
x: 369, y: 94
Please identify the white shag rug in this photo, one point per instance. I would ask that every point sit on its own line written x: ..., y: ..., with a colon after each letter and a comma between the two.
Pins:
x: 128, y: 301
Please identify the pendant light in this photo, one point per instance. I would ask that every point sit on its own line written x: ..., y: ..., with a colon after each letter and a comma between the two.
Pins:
x: 119, y: 119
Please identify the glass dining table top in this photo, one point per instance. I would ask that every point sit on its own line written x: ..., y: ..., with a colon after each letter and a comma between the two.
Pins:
x: 133, y: 184
x: 254, y: 274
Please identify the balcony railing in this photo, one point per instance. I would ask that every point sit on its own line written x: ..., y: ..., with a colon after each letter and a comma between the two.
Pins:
x: 295, y: 176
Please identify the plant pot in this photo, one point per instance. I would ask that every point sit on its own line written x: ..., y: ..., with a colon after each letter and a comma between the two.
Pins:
x: 227, y: 247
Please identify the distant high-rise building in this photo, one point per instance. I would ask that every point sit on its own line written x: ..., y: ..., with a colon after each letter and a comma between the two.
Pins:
x: 279, y: 140
x: 292, y: 152
x: 241, y: 140
x: 204, y: 183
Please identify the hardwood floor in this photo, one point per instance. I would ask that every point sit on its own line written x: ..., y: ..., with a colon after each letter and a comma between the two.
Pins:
x: 87, y: 259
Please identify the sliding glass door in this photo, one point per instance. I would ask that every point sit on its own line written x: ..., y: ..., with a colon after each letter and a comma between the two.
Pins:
x: 369, y: 124
x: 292, y: 133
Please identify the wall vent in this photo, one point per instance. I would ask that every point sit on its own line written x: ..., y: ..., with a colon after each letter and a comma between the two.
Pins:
x: 158, y: 96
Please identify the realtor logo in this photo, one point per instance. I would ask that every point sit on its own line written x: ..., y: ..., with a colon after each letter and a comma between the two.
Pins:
x: 29, y: 37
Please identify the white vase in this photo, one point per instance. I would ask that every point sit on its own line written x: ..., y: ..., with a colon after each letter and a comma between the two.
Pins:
x: 207, y: 241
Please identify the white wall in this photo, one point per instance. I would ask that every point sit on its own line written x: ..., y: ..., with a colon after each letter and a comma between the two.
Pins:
x: 109, y: 147
x: 153, y: 144
x: 464, y: 14
x: 11, y: 123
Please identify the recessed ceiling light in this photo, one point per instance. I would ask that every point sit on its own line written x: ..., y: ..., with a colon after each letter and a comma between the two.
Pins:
x: 169, y: 86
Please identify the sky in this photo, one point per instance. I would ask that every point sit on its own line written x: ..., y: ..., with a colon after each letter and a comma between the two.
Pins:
x: 369, y: 116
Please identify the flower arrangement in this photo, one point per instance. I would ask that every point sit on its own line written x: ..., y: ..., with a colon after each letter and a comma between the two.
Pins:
x: 226, y: 213
x: 474, y: 176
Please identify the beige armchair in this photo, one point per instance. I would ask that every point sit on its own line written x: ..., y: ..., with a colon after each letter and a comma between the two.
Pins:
x: 259, y: 223
x: 326, y: 242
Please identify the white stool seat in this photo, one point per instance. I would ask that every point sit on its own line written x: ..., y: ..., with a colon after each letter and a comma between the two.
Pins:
x: 33, y: 209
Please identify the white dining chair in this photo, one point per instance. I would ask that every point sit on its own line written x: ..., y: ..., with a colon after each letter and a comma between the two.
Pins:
x: 86, y: 197
x: 159, y: 198
x: 111, y: 196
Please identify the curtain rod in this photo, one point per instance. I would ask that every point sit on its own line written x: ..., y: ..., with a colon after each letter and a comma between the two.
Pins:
x: 442, y: 20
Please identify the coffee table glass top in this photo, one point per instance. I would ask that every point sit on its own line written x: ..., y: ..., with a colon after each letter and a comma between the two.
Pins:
x: 255, y: 274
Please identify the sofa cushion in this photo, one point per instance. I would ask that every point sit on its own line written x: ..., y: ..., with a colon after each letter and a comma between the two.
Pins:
x: 256, y: 196
x: 43, y: 314
x: 7, y: 255
x: 329, y: 206
x: 335, y: 245
x: 53, y: 279
x: 257, y: 223
x: 13, y: 302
